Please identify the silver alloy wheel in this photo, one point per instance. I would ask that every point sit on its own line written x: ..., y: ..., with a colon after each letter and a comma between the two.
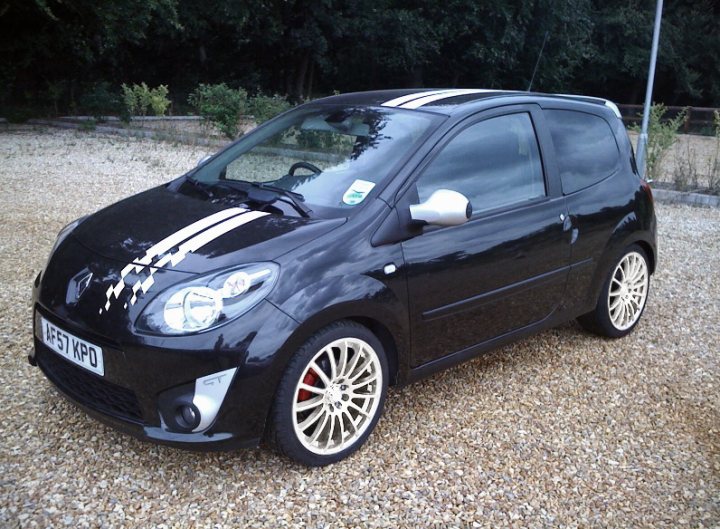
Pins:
x: 334, y: 406
x: 628, y: 291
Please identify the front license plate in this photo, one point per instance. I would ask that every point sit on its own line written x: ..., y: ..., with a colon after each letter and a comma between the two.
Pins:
x: 72, y: 348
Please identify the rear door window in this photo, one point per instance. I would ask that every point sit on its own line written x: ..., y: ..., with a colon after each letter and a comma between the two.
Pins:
x: 585, y: 147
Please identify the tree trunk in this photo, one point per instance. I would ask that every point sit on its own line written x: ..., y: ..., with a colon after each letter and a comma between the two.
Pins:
x: 415, y: 79
x: 637, y: 88
x: 311, y: 78
x: 298, y: 89
x: 455, y: 79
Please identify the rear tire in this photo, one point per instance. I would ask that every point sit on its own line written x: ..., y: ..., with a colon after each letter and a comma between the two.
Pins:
x: 623, y: 296
x: 331, y: 395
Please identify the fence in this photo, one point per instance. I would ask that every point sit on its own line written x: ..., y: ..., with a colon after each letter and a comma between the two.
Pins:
x: 698, y: 120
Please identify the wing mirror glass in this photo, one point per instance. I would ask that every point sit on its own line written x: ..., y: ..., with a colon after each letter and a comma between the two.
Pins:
x: 443, y: 208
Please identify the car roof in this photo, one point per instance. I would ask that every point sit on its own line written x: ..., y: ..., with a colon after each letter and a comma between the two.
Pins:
x: 451, y: 101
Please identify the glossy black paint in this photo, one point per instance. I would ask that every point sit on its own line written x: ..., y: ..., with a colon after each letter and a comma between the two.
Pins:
x: 456, y: 291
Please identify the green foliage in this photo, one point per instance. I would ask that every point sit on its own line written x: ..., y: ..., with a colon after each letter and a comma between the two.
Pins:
x: 714, y: 162
x: 316, y: 140
x: 264, y: 107
x: 88, y: 125
x: 130, y: 100
x: 304, y: 47
x: 687, y: 174
x: 159, y: 102
x: 138, y: 99
x: 220, y: 105
x: 661, y: 136
x: 20, y: 114
x: 320, y: 140
x: 55, y: 92
x: 100, y: 101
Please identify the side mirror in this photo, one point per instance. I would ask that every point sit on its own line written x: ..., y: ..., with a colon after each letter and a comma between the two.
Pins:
x: 204, y: 159
x: 443, y: 208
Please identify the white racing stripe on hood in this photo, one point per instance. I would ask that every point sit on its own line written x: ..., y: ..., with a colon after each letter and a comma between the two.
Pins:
x: 188, y: 231
x: 213, y: 233
x: 189, y: 239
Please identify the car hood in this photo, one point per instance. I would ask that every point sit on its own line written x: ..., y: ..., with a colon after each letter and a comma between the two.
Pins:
x: 164, y: 229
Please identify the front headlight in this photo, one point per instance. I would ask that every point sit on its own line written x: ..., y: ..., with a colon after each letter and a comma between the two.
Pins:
x: 208, y: 301
x: 67, y: 230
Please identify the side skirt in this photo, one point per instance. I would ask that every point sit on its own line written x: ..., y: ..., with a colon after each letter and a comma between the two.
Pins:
x: 463, y: 355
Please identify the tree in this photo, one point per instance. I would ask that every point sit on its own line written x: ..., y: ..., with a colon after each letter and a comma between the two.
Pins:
x: 46, y: 41
x: 54, y: 49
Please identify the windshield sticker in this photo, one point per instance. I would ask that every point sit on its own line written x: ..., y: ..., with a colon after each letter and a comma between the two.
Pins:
x: 357, y: 192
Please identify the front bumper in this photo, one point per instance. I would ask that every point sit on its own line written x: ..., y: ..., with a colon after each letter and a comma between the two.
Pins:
x: 145, y: 380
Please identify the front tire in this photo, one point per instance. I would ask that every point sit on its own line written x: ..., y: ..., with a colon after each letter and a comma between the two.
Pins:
x: 331, y: 395
x: 623, y: 297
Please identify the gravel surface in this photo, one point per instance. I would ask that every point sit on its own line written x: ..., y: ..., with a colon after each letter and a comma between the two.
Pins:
x: 561, y: 430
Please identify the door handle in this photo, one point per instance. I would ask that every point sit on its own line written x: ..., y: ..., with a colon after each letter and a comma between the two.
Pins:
x: 566, y: 222
x: 569, y: 225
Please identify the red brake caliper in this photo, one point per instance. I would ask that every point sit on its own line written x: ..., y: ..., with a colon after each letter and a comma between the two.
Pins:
x: 309, y: 379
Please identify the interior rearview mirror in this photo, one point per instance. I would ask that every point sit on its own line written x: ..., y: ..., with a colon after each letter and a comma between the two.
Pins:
x: 443, y: 208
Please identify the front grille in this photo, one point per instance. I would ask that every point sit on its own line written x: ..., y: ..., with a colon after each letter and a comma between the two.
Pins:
x: 88, y: 389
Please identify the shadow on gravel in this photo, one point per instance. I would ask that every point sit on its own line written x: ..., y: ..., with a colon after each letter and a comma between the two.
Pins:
x: 488, y: 374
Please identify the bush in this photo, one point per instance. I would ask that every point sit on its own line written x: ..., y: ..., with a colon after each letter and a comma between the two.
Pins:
x: 21, y: 113
x: 264, y: 107
x: 88, y: 125
x: 686, y: 176
x: 133, y: 99
x: 661, y: 136
x: 159, y: 102
x: 714, y: 162
x: 100, y: 101
x: 55, y: 92
x: 220, y: 105
x: 139, y: 98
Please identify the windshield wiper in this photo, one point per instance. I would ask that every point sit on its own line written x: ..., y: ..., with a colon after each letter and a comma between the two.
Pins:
x: 295, y: 199
x: 200, y: 185
x: 284, y: 195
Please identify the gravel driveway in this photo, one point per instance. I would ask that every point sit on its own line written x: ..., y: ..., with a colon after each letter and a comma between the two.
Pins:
x: 561, y: 430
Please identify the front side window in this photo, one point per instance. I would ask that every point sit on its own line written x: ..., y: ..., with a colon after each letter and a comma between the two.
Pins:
x: 331, y: 156
x: 585, y: 148
x: 494, y: 163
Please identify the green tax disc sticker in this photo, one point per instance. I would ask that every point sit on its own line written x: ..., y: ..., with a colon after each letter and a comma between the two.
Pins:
x: 357, y: 192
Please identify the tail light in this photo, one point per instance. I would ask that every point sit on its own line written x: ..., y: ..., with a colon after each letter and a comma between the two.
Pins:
x: 648, y: 191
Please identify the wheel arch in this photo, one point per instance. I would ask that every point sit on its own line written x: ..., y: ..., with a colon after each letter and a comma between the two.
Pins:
x: 627, y: 232
x: 386, y: 339
x: 392, y: 342
x: 391, y: 336
x: 362, y: 298
x: 650, y: 252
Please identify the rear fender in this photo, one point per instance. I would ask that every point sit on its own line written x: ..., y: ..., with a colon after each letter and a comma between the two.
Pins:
x: 629, y: 230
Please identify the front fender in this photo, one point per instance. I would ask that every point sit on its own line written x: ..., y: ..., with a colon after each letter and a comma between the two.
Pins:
x: 359, y: 297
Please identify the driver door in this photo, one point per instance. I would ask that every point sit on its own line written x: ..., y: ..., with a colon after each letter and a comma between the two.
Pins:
x: 506, y: 268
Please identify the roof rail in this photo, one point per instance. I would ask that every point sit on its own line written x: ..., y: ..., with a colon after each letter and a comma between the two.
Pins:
x: 599, y: 100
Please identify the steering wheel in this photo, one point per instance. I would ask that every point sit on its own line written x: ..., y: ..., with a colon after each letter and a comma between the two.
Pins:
x: 304, y: 165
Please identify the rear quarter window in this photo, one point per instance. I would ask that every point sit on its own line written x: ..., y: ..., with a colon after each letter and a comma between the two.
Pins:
x: 585, y: 147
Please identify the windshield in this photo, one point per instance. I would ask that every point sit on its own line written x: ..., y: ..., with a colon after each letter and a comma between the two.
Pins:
x: 332, y: 157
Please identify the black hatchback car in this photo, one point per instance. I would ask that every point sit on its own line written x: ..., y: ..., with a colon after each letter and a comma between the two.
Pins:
x: 355, y: 242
